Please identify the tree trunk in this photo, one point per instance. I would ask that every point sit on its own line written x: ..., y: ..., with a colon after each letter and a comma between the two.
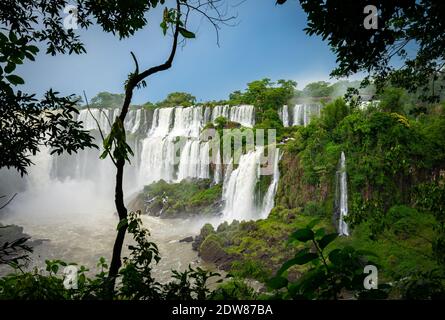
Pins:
x: 122, y: 213
x: 120, y: 163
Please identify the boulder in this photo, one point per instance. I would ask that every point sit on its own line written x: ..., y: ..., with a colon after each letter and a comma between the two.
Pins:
x: 187, y: 239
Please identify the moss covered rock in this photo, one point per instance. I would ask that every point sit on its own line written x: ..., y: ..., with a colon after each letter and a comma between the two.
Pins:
x: 183, y: 199
x: 252, y: 249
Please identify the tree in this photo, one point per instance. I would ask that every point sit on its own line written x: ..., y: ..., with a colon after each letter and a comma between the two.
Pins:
x: 393, y: 100
x: 107, y: 100
x: 115, y: 145
x: 27, y: 123
x: 177, y: 99
x: 411, y: 31
x: 319, y: 89
x: 265, y: 94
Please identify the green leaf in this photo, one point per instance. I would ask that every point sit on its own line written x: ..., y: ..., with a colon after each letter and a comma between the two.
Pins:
x: 319, y: 233
x: 30, y: 56
x: 335, y: 256
x: 327, y: 239
x: 303, y: 235
x: 32, y: 49
x: 164, y: 27
x: 313, y: 223
x: 104, y: 154
x: 12, y: 37
x: 122, y: 223
x: 277, y: 283
x: 3, y: 37
x: 301, y: 258
x: 15, y: 80
x: 186, y: 34
x: 10, y: 67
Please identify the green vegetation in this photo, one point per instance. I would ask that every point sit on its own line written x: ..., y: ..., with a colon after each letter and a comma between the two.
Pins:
x: 184, y: 198
x: 175, y: 99
x: 395, y: 153
x: 395, y: 163
x: 333, y: 275
x: 394, y: 59
x: 252, y: 249
x: 107, y: 100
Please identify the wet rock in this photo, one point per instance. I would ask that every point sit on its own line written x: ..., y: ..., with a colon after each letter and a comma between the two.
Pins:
x: 206, y: 230
x: 212, y: 251
x: 10, y: 234
x: 137, y: 203
x: 187, y: 239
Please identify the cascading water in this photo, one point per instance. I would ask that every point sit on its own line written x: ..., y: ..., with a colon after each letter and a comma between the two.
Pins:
x: 269, y: 198
x: 69, y: 197
x: 299, y: 115
x: 172, y: 149
x: 244, y: 114
x: 341, y: 205
x: 240, y: 185
x: 284, y: 115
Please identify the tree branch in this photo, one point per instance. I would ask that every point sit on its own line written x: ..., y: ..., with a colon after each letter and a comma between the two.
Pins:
x: 8, y: 202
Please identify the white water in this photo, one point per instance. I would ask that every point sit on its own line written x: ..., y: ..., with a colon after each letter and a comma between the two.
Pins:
x: 76, y: 219
x: 172, y: 149
x: 269, y: 198
x: 299, y: 115
x: 70, y: 199
x: 343, y: 194
x: 244, y: 114
x: 240, y: 185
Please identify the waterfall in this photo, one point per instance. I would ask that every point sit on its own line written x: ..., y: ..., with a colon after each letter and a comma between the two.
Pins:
x: 39, y: 174
x: 172, y: 149
x: 269, y: 198
x: 167, y: 145
x: 243, y: 114
x: 162, y: 121
x: 299, y: 115
x: 240, y: 184
x: 284, y: 115
x: 105, y: 117
x: 341, y: 205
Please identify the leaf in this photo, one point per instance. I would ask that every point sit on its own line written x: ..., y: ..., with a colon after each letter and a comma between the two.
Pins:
x: 15, y: 80
x: 3, y: 37
x: 122, y: 223
x: 164, y: 27
x: 313, y: 223
x: 186, y: 34
x: 327, y: 239
x: 10, y: 67
x: 319, y: 233
x: 335, y: 256
x: 303, y: 235
x: 32, y: 49
x: 277, y: 283
x: 301, y: 258
x: 12, y: 37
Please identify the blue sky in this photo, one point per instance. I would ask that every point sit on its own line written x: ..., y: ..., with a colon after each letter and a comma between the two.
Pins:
x: 268, y: 41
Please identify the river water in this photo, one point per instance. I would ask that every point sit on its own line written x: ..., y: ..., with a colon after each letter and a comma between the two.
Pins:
x: 77, y: 225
